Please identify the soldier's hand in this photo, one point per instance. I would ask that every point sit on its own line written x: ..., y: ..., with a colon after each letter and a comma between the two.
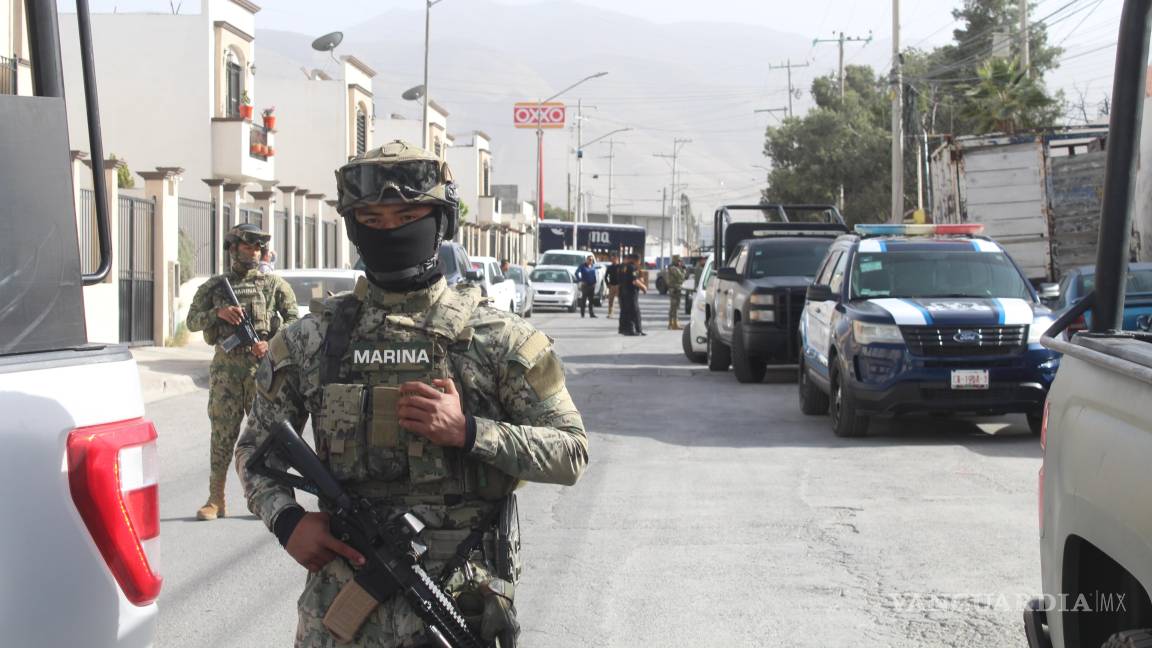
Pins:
x: 259, y: 349
x: 432, y: 414
x: 231, y: 314
x: 313, y: 545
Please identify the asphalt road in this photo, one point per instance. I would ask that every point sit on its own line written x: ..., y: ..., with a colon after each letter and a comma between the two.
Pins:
x: 711, y: 514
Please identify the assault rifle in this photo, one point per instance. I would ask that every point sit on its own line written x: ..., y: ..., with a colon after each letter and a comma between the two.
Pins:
x: 392, y: 547
x: 245, y: 334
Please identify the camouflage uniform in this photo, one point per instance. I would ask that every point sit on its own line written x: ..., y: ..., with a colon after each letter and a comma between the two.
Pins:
x: 675, y: 280
x: 510, y: 381
x: 269, y: 302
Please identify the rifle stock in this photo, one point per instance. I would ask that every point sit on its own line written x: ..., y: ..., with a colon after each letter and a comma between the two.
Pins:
x: 392, y: 548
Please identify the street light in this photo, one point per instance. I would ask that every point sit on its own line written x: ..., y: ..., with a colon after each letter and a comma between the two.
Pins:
x: 580, y: 176
x: 540, y: 146
x: 427, y: 32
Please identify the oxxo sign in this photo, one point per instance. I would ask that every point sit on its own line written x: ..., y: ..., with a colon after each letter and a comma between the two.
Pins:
x: 529, y: 114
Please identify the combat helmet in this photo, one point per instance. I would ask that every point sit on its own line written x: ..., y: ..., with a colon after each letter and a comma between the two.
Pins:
x: 398, y: 172
x: 247, y: 233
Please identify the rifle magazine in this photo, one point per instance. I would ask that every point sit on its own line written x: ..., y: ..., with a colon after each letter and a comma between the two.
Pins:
x: 348, y: 611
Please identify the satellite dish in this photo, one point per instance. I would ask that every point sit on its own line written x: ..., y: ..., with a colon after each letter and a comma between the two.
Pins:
x: 328, y: 42
x: 413, y: 93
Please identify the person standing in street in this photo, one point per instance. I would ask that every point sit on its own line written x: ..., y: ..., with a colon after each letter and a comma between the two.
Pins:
x: 610, y: 280
x: 675, y: 280
x: 269, y: 303
x: 631, y: 285
x: 446, y: 435
x: 586, y: 277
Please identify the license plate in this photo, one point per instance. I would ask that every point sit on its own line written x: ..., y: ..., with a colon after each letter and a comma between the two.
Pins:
x: 970, y: 379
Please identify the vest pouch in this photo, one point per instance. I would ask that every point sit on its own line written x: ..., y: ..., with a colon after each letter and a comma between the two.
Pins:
x: 258, y: 311
x: 386, y: 450
x: 340, y: 429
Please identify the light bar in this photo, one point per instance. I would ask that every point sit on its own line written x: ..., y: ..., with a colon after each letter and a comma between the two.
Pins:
x: 969, y: 229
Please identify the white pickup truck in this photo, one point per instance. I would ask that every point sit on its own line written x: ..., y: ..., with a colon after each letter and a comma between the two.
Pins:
x: 79, y: 552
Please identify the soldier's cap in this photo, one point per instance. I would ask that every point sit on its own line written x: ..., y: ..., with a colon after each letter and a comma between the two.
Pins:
x: 396, y: 173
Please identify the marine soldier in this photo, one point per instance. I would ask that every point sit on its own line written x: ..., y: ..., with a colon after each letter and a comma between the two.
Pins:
x: 675, y: 280
x: 423, y: 399
x: 269, y: 303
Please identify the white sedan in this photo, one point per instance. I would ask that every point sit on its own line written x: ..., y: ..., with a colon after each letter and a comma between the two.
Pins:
x: 555, y: 287
x: 500, y: 290
x: 694, y: 339
x: 318, y: 284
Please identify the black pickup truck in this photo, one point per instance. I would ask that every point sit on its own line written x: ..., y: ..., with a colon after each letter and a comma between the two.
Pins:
x: 756, y: 297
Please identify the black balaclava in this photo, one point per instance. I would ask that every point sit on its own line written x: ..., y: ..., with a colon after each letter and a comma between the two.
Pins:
x: 404, y: 258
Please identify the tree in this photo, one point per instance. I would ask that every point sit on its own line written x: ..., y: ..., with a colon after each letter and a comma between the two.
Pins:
x: 1007, y: 100
x: 556, y: 213
x: 835, y: 143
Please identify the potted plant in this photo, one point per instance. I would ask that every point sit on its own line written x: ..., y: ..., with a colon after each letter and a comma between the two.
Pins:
x: 269, y: 117
x: 245, y: 105
x: 254, y: 149
x: 271, y: 151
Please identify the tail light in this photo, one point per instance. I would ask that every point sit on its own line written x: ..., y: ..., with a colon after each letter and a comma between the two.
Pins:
x: 1043, y: 456
x: 112, y: 473
x: 1081, y: 324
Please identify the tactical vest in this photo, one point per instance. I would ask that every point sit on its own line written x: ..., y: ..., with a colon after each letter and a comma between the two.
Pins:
x: 357, y: 431
x: 252, y: 293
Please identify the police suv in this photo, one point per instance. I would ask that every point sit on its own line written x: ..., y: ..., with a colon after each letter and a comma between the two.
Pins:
x: 921, y: 318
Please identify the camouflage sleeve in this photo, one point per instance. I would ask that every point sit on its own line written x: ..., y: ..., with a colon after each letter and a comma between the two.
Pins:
x: 202, y: 312
x: 544, y: 440
x: 286, y: 302
x: 277, y: 398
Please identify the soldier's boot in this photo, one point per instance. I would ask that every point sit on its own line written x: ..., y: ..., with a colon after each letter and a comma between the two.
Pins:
x: 215, y: 507
x: 676, y: 325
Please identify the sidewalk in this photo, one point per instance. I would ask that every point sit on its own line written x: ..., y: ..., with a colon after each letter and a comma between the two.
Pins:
x: 171, y: 371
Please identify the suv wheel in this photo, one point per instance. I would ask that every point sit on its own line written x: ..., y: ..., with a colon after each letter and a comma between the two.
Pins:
x: 572, y: 306
x: 846, y: 422
x: 747, y: 368
x: 661, y: 285
x: 1035, y: 422
x: 1130, y: 639
x: 813, y: 402
x: 686, y: 342
x: 719, y: 355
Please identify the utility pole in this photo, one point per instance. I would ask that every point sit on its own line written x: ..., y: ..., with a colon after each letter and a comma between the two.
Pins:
x: 675, y: 197
x: 664, y: 221
x: 611, y: 154
x: 1025, y: 47
x: 897, y: 214
x: 579, y: 170
x: 840, y: 40
x: 788, y: 66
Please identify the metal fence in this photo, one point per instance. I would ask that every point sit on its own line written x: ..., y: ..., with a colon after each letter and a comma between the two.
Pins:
x: 89, y: 254
x: 198, y: 225
x: 254, y: 216
x: 9, y: 75
x: 310, y: 242
x: 330, y: 244
x: 280, y: 236
x: 136, y: 265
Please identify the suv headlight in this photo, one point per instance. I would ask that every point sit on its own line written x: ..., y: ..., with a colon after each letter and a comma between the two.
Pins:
x: 762, y: 300
x: 1036, y: 331
x: 865, y: 333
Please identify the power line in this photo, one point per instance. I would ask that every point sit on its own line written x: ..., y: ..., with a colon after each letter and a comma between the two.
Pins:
x: 788, y: 66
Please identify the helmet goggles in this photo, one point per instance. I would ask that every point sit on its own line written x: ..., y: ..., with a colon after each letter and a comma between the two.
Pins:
x: 407, y: 181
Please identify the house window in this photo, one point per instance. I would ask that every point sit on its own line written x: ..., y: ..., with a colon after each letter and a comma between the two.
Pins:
x: 234, y: 75
x: 361, y: 131
x: 487, y: 189
x: 436, y: 146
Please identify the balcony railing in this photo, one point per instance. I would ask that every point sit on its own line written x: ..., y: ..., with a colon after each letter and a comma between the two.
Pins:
x: 9, y: 72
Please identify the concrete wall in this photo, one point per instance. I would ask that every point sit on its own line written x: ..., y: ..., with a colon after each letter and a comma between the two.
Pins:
x: 310, y: 126
x: 154, y: 77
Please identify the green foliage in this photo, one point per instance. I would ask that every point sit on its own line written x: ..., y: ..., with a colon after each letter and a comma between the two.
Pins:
x: 186, y: 257
x: 179, y: 337
x: 1007, y: 100
x: 464, y: 212
x: 556, y: 213
x: 836, y: 142
x: 124, y: 179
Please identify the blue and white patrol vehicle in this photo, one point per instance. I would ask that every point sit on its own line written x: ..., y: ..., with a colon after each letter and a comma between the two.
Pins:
x: 922, y: 318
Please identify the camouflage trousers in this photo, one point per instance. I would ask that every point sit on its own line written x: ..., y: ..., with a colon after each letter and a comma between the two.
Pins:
x: 392, y: 624
x: 231, y: 388
x: 673, y: 304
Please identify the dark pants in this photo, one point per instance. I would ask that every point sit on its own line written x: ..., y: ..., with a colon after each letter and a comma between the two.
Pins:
x: 629, y: 310
x: 587, y: 294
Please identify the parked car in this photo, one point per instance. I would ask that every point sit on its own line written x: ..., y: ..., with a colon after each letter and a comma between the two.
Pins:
x: 922, y: 318
x: 311, y: 285
x: 454, y: 262
x: 1137, y: 296
x: 1095, y: 533
x: 694, y: 339
x: 573, y: 259
x: 520, y: 276
x: 500, y: 290
x: 555, y: 287
x: 758, y: 298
